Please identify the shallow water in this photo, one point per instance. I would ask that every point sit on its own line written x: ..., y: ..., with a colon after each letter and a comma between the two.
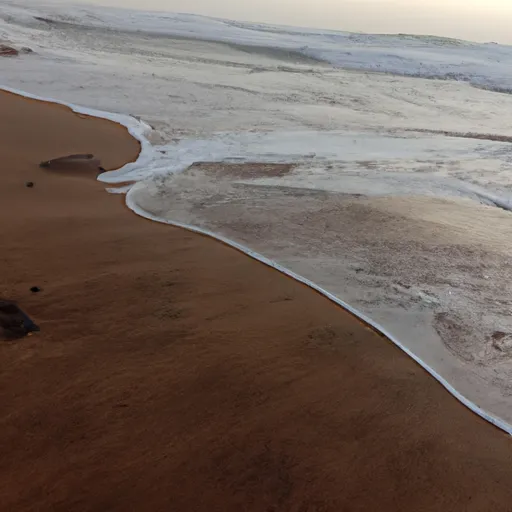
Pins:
x: 399, y: 221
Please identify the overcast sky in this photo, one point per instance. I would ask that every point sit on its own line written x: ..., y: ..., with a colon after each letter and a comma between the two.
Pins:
x: 480, y: 20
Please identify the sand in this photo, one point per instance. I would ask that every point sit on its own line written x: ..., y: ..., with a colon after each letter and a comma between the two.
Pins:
x: 173, y: 373
x: 430, y: 270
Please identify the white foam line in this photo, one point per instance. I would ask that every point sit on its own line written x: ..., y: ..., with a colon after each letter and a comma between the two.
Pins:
x: 138, y: 129
x: 119, y: 190
x: 501, y: 424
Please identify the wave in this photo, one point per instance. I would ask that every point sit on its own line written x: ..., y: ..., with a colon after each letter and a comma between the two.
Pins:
x: 487, y: 66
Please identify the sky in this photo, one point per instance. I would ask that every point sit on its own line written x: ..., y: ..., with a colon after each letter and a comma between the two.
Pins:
x: 478, y: 20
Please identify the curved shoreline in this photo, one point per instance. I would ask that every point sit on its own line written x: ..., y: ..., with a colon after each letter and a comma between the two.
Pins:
x: 169, y: 363
x: 138, y: 129
x: 497, y: 422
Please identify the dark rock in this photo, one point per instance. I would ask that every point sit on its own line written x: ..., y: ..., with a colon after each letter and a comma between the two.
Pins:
x: 29, y: 184
x: 35, y: 289
x: 14, y: 323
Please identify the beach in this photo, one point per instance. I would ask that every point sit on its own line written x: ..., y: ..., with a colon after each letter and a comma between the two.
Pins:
x: 396, y: 150
x: 172, y: 372
x: 428, y: 270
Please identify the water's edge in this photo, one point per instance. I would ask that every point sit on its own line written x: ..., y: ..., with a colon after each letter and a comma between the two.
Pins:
x: 138, y: 130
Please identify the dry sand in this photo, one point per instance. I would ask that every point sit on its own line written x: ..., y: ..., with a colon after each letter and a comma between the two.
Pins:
x: 173, y: 373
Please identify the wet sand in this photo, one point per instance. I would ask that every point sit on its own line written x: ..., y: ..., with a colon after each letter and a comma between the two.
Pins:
x: 173, y: 373
x: 428, y: 269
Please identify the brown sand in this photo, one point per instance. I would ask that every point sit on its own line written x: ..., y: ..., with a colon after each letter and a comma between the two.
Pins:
x: 172, y: 373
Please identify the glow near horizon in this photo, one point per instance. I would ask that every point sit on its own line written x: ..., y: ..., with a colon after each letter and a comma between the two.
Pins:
x: 478, y: 20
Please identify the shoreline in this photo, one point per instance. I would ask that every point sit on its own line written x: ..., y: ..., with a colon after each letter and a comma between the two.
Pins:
x: 138, y: 129
x: 222, y: 376
x: 346, y: 307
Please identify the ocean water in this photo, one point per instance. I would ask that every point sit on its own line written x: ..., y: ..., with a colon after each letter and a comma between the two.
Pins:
x: 398, y: 195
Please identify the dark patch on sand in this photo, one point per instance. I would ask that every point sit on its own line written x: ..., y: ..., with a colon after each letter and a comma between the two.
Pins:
x: 79, y: 164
